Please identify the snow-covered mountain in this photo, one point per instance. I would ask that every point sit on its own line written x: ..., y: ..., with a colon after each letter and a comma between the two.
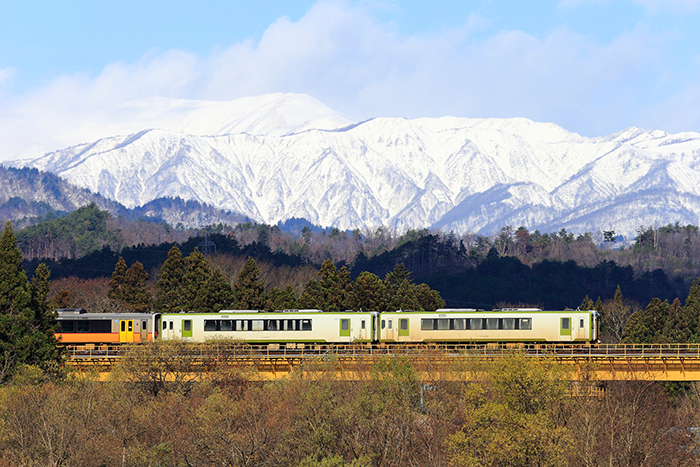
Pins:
x: 284, y: 155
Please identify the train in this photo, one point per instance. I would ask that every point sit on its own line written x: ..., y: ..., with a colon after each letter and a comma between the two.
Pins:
x: 446, y: 325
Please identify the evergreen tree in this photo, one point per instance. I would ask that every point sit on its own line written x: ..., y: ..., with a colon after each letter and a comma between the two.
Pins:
x: 249, y: 288
x: 26, y: 320
x: 332, y: 288
x: 117, y: 284
x: 282, y: 299
x: 676, y: 327
x: 395, y: 278
x: 429, y: 299
x: 312, y: 298
x: 196, y: 274
x: 216, y: 294
x: 169, y: 285
x: 369, y: 293
x: 587, y: 304
x: 405, y: 298
x: 647, y: 326
x: 136, y: 296
x: 691, y: 312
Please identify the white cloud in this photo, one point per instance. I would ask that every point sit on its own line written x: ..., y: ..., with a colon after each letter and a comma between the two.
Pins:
x: 340, y: 54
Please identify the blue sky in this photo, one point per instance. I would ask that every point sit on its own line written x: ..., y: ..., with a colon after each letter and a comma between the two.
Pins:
x: 594, y: 67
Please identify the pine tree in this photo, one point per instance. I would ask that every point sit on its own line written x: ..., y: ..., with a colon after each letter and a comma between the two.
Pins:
x: 587, y: 304
x: 405, y: 298
x: 282, y: 299
x: 313, y: 297
x: 216, y: 294
x: 26, y: 320
x: 169, y: 284
x: 117, y: 283
x: 676, y: 327
x: 331, y: 287
x: 249, y: 288
x: 136, y: 296
x: 691, y: 312
x: 369, y: 293
x: 429, y: 299
x: 646, y: 326
x: 196, y: 274
x: 395, y: 278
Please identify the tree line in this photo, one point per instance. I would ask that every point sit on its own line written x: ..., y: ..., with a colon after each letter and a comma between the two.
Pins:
x: 192, y: 283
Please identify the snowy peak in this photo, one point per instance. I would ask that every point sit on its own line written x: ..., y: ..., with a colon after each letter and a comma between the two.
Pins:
x: 284, y: 155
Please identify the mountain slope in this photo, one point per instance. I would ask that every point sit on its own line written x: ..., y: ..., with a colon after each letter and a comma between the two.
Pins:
x: 282, y: 160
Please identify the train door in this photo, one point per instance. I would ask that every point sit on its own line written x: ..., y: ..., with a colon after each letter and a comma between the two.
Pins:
x: 345, y: 330
x: 390, y: 329
x: 126, y: 330
x: 144, y: 330
x: 186, y: 328
x: 363, y: 329
x: 565, y: 325
x: 403, y: 329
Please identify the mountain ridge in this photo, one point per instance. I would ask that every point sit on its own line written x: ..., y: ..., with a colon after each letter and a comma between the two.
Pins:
x: 466, y: 175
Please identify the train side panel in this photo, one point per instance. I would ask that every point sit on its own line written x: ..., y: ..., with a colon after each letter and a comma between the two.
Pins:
x: 296, y: 327
x: 79, y: 327
x: 481, y: 326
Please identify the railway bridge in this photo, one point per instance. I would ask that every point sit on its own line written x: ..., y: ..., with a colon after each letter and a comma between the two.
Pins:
x: 601, y: 362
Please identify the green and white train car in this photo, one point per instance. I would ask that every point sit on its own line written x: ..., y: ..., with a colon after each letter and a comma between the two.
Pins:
x: 471, y: 325
x: 257, y: 327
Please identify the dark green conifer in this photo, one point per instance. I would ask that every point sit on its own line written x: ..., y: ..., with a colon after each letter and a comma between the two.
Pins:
x: 169, y: 284
x: 117, y: 284
x: 282, y: 299
x: 369, y: 293
x: 196, y: 274
x: 216, y: 295
x: 313, y: 296
x: 587, y: 304
x: 249, y: 288
x: 405, y: 298
x: 136, y: 296
x: 26, y: 320
x: 691, y: 312
x: 429, y: 299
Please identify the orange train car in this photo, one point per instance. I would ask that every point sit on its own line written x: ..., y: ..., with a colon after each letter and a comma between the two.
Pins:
x: 77, y: 326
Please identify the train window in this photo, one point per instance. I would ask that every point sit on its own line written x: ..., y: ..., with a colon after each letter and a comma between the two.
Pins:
x: 363, y: 324
x: 443, y: 324
x: 344, y: 324
x: 508, y: 323
x: 426, y: 324
x: 258, y: 325
x: 165, y: 325
x: 209, y: 325
x: 131, y: 326
x: 389, y: 325
x: 67, y: 326
x: 565, y: 323
x: 383, y: 324
x: 272, y: 325
x: 83, y: 326
x: 102, y: 326
x: 171, y: 325
x: 403, y: 324
x: 581, y: 323
x: 123, y: 324
x: 225, y: 325
x: 306, y: 325
x: 186, y: 324
x: 144, y: 324
x: 491, y: 323
x: 525, y: 323
x: 459, y: 324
